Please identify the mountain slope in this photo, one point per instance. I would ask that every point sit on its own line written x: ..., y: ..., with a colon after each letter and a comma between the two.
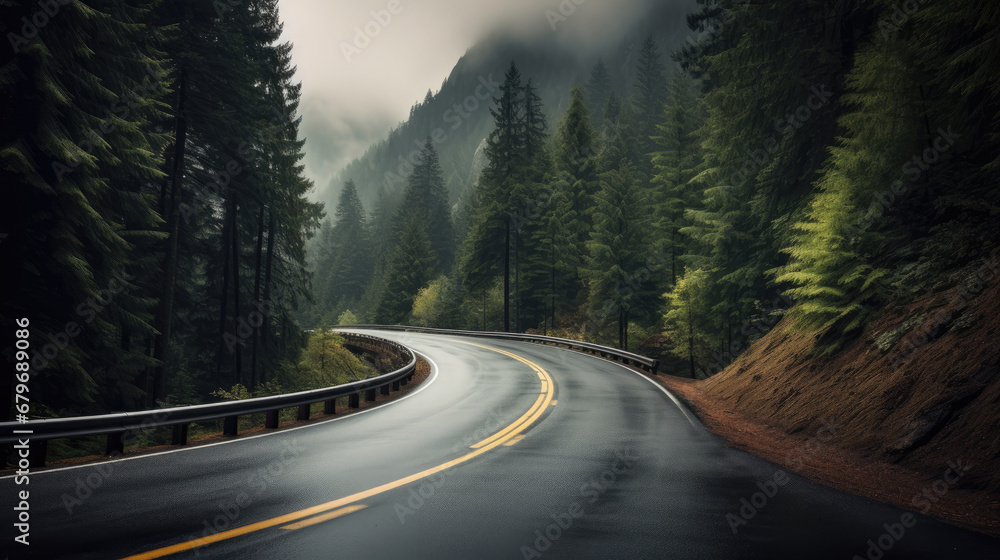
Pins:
x: 918, y: 391
x: 457, y: 116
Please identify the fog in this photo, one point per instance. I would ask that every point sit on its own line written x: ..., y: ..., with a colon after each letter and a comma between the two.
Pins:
x: 364, y: 63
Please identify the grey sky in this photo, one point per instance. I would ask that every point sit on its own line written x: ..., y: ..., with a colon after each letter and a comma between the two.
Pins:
x: 349, y: 104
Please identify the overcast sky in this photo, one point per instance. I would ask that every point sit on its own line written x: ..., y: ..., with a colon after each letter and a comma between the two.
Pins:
x: 351, y: 100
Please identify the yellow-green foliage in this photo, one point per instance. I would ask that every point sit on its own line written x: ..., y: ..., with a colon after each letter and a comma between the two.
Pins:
x: 428, y: 305
x: 688, y: 316
x: 831, y: 269
x: 347, y: 318
x: 325, y: 362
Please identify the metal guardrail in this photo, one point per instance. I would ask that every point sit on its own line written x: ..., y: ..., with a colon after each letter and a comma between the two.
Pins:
x: 648, y: 364
x: 116, y: 426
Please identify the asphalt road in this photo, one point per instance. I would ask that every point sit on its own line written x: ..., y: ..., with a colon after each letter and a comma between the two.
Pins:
x: 530, y: 452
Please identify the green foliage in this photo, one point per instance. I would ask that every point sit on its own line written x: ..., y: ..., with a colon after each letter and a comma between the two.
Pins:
x: 325, y: 363
x: 494, y: 199
x: 347, y: 264
x: 832, y: 271
x: 676, y: 163
x: 237, y: 393
x: 577, y: 167
x: 411, y: 267
x: 598, y: 91
x: 347, y: 318
x: 81, y: 224
x: 439, y: 304
x: 651, y: 89
x: 689, y: 317
x: 426, y: 199
x: 621, y: 138
x: 617, y: 275
x: 155, y: 154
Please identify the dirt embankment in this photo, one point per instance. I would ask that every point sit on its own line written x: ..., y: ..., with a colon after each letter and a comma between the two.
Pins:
x: 913, y: 397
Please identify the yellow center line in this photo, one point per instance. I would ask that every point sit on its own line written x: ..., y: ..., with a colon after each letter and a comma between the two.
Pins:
x: 521, y: 422
x: 500, y: 438
x: 528, y: 417
x: 516, y: 439
x: 325, y: 517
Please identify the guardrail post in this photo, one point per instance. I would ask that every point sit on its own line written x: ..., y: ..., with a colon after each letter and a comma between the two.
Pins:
x: 303, y: 412
x: 403, y: 380
x: 180, y: 436
x: 38, y: 448
x: 354, y: 401
x: 271, y: 419
x: 330, y: 406
x: 395, y: 385
x: 116, y: 444
x: 230, y: 425
x: 370, y: 395
x: 385, y: 389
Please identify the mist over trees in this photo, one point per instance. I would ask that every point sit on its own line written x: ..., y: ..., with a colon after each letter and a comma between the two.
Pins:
x: 742, y: 177
x: 821, y: 160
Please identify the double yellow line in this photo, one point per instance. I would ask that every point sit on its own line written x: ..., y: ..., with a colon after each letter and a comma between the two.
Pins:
x: 329, y: 510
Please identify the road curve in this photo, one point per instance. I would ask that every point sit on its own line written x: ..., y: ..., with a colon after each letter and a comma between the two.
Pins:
x: 509, y: 450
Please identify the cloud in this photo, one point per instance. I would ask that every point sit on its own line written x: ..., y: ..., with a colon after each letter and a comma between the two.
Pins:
x: 352, y: 99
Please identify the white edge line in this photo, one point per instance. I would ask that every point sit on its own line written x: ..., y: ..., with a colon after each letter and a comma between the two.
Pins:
x: 434, y: 375
x: 662, y: 388
x: 680, y: 406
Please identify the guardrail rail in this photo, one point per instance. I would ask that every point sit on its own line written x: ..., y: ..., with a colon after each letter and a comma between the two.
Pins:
x: 628, y: 358
x: 117, y: 425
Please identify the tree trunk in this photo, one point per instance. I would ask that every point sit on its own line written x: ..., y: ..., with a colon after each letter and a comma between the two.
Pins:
x: 506, y: 277
x: 552, y: 270
x: 258, y: 261
x: 621, y: 333
x: 673, y: 256
x: 625, y: 347
x: 517, y: 279
x: 691, y: 340
x: 126, y: 346
x: 165, y: 311
x: 223, y: 303
x: 269, y: 306
x: 237, y: 312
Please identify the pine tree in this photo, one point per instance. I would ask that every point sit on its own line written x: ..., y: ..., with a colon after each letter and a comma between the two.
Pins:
x: 526, y: 200
x: 79, y: 154
x: 576, y: 164
x: 618, y: 252
x: 689, y: 317
x: 505, y: 145
x: 212, y: 77
x: 410, y: 269
x: 548, y: 274
x: 598, y: 91
x: 620, y: 138
x: 487, y: 249
x: 426, y: 198
x: 678, y: 160
x: 236, y: 195
x: 535, y: 129
x: 350, y: 267
x: 834, y: 269
x: 770, y: 121
x: 651, y: 89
